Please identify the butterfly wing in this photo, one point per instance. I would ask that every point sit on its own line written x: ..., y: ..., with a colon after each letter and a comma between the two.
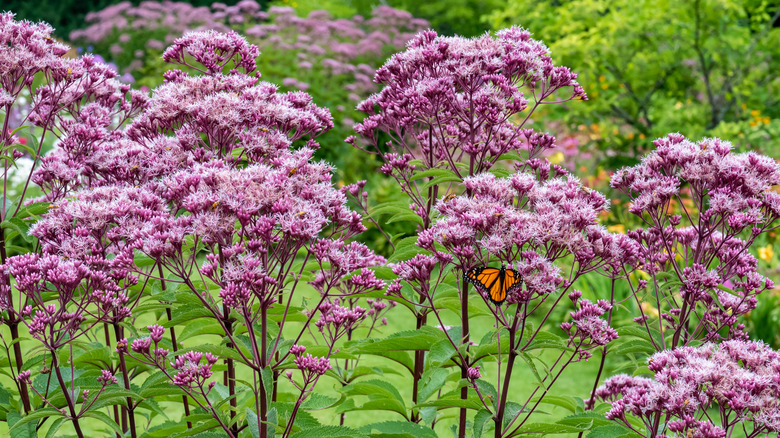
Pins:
x: 512, y: 282
x: 487, y: 281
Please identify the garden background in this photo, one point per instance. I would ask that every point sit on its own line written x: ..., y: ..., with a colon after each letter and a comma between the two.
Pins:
x: 703, y: 68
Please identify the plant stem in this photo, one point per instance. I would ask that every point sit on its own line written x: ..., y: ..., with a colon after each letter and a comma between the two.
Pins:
x: 230, y: 372
x: 499, y: 418
x: 419, y: 358
x: 14, y: 326
x: 464, y: 392
x: 169, y: 314
x: 263, y: 364
x: 71, y: 408
x: 107, y: 334
x: 126, y: 381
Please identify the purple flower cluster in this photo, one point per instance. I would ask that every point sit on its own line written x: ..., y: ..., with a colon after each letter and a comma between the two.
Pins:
x: 587, y: 325
x: 707, y: 391
x: 450, y: 99
x: 706, y: 246
x: 177, y: 17
x: 336, y: 321
x: 526, y: 223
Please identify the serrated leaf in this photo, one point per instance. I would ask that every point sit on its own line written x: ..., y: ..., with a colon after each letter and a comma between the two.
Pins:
x: 422, y: 339
x: 612, y: 431
x: 329, y: 432
x: 545, y: 428
x: 585, y: 420
x: 398, y: 429
x: 317, y: 401
x: 431, y: 381
x: 454, y: 402
x: 482, y: 417
x: 440, y: 353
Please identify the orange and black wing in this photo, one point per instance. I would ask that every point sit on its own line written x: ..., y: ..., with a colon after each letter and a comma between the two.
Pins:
x: 510, y: 282
x: 485, y: 279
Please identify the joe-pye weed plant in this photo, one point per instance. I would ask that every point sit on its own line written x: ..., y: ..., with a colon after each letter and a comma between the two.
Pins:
x: 449, y: 125
x: 187, y: 250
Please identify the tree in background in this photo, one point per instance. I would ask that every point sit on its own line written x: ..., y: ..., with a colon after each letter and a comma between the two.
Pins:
x: 706, y: 67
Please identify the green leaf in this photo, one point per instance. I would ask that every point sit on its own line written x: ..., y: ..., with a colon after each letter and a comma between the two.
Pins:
x: 33, y: 210
x: 20, y: 227
x: 272, y: 419
x: 388, y: 209
x: 375, y: 388
x: 185, y: 316
x: 315, y: 402
x: 482, y: 417
x: 440, y: 353
x: 431, y: 381
x: 375, y: 404
x: 16, y: 426
x: 267, y: 377
x: 209, y: 327
x: 532, y: 366
x: 585, y: 420
x: 422, y: 339
x: 251, y: 421
x: 407, y: 216
x: 633, y: 346
x: 566, y: 402
x: 99, y: 415
x: 431, y: 172
x: 329, y: 432
x: 472, y: 402
x: 545, y: 428
x: 641, y: 333
x: 398, y: 429
x: 55, y: 426
x: 612, y: 431
x: 440, y: 180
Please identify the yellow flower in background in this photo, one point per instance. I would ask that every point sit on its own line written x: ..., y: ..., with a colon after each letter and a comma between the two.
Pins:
x: 556, y: 158
x: 649, y: 309
x: 755, y: 113
x: 766, y: 253
x: 618, y: 228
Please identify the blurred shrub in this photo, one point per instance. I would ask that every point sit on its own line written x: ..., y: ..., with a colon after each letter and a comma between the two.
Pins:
x: 651, y: 67
x: 67, y: 15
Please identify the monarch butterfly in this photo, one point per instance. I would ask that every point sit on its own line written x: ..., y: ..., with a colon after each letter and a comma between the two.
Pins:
x: 495, y: 283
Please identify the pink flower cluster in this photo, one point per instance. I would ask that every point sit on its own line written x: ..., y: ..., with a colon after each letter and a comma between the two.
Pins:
x: 529, y: 223
x: 707, y: 391
x: 450, y: 99
x: 706, y: 246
